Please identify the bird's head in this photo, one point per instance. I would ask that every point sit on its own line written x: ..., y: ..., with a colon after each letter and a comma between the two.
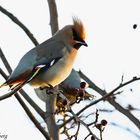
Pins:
x: 74, y: 35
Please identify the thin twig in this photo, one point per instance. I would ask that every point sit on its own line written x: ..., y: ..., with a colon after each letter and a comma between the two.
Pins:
x: 101, y: 137
x: 35, y: 42
x: 27, y: 98
x: 19, y: 23
x: 111, y: 100
x: 83, y: 123
x: 51, y: 100
x: 41, y: 129
x: 20, y: 100
x: 33, y: 104
x: 5, y: 96
x: 5, y: 62
x: 31, y: 116
x: 126, y: 129
x: 53, y: 16
x: 86, y: 107
x: 78, y: 128
x: 124, y: 84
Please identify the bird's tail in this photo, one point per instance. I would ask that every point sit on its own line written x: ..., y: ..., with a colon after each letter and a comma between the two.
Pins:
x: 4, y: 84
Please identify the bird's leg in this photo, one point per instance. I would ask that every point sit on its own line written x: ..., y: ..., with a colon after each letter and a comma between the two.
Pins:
x: 52, y: 90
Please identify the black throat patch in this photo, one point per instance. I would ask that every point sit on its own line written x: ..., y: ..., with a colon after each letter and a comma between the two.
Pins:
x: 77, y: 46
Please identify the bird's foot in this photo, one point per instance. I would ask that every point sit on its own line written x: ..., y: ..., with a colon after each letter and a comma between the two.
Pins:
x: 52, y: 90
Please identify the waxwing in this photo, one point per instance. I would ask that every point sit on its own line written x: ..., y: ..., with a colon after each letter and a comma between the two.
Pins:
x: 72, y: 88
x: 51, y: 62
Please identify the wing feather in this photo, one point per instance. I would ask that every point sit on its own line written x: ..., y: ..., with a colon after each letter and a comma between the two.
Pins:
x: 43, y: 54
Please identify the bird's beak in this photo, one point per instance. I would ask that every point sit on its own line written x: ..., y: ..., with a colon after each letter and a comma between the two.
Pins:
x: 82, y: 43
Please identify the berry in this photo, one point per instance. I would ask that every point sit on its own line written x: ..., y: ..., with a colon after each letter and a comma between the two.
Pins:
x: 81, y: 93
x: 83, y: 84
x: 103, y: 122
x: 64, y: 102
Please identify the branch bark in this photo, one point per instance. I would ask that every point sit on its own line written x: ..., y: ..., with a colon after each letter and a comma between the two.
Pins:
x: 51, y: 100
x: 31, y: 116
x: 54, y: 27
x: 122, y: 110
x: 20, y: 24
x: 27, y: 98
x: 26, y: 109
x: 53, y: 16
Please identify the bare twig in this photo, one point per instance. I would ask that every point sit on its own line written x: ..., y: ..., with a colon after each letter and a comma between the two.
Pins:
x: 51, y: 100
x: 87, y: 136
x: 53, y: 16
x: 78, y: 128
x: 27, y: 98
x: 19, y: 23
x: 126, y: 129
x: 37, y: 124
x: 5, y: 62
x: 35, y: 42
x: 111, y: 100
x: 3, y: 74
x: 86, y: 107
x: 101, y: 137
x: 31, y: 116
x: 5, y: 96
x: 124, y: 84
x: 122, y: 79
x: 76, y: 133
x: 33, y: 104
x: 83, y: 123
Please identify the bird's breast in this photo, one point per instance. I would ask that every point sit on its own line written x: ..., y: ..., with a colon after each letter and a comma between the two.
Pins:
x: 56, y: 73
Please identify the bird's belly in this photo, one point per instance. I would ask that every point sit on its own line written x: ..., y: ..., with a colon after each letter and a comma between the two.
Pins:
x: 54, y: 75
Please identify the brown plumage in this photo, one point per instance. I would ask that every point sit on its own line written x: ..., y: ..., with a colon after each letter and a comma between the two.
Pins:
x: 79, y: 27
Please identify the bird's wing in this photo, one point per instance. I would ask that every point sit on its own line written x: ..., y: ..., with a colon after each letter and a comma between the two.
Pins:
x: 73, y: 80
x: 46, y: 55
x: 49, y: 51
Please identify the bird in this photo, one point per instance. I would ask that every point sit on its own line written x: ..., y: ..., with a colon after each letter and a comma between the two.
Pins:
x: 73, y: 88
x: 50, y: 62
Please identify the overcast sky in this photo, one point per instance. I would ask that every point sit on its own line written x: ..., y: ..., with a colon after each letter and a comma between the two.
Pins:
x: 113, y: 51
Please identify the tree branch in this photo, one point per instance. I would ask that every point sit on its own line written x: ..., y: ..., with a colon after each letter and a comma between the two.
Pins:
x: 111, y: 100
x: 27, y: 98
x: 53, y: 16
x: 5, y: 62
x: 19, y: 23
x: 30, y: 115
x: 33, y: 104
x: 51, y: 100
x: 26, y: 109
x: 83, y: 123
x: 14, y: 91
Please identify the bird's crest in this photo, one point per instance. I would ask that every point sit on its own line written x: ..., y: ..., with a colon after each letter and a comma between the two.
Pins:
x: 78, y: 27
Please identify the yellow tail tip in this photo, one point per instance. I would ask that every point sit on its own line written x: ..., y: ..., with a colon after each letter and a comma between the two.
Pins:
x: 3, y: 85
